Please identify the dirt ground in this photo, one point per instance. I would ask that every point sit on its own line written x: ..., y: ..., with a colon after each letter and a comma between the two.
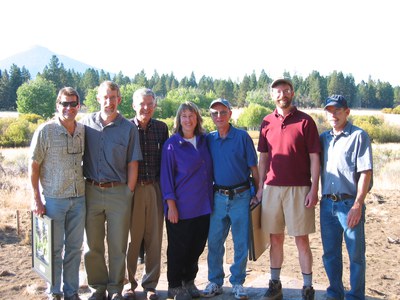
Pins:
x: 19, y: 281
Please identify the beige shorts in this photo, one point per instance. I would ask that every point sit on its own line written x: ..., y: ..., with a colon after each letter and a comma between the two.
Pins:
x: 284, y: 205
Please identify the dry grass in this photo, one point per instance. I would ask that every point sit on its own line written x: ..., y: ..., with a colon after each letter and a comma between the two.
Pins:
x: 14, y: 190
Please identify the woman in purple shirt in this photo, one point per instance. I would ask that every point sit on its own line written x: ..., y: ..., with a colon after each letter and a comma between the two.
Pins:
x: 186, y: 185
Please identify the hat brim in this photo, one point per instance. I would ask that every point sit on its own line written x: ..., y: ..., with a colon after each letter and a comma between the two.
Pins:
x: 335, y: 104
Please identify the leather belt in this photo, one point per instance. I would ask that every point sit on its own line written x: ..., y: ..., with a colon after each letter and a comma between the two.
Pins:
x: 232, y: 192
x: 338, y: 197
x: 147, y: 182
x: 104, y: 185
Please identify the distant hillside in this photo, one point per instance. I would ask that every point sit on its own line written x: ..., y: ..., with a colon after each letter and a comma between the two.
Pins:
x: 36, y: 58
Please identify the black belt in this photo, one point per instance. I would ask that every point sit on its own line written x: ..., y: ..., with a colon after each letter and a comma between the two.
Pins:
x: 231, y: 192
x: 104, y: 185
x: 338, y: 197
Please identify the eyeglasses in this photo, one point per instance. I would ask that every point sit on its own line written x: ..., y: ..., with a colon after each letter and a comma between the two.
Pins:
x: 284, y: 92
x: 221, y: 113
x: 70, y: 104
x: 74, y: 145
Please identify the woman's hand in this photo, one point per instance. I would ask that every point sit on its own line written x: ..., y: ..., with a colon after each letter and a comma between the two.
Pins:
x: 173, y: 215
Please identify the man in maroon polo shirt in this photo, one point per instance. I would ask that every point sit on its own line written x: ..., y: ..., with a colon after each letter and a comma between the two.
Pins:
x: 289, y: 170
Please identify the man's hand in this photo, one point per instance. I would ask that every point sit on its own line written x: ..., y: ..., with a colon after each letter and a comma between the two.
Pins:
x: 311, y: 199
x: 38, y: 207
x: 354, y: 215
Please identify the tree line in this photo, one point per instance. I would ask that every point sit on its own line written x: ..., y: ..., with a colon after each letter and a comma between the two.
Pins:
x: 310, y: 91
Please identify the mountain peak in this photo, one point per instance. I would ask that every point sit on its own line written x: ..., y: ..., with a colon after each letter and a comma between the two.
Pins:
x: 37, y: 57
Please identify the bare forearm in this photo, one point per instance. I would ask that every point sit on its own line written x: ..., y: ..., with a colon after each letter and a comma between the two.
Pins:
x: 132, y: 174
x: 315, y: 171
x: 363, y: 186
x: 34, y: 175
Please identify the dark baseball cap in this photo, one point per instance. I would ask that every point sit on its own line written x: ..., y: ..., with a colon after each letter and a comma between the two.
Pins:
x: 222, y: 101
x: 280, y: 81
x: 337, y: 101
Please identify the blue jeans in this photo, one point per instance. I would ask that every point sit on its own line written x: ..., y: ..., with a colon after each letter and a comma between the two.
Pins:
x: 68, y: 216
x: 227, y: 214
x: 333, y: 221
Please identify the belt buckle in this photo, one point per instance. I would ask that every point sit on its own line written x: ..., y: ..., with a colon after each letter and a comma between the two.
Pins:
x: 334, y: 197
x: 103, y: 185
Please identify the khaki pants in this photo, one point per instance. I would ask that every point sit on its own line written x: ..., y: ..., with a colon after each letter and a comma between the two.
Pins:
x: 146, y: 225
x: 107, y: 208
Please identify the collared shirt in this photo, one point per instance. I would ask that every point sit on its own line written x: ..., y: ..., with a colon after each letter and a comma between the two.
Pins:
x: 232, y: 156
x: 186, y: 176
x: 343, y: 157
x: 60, y: 157
x: 109, y: 148
x: 288, y: 141
x: 152, y: 139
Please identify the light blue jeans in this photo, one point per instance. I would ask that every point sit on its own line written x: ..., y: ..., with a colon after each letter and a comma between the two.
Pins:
x: 333, y: 221
x: 68, y: 216
x: 229, y: 214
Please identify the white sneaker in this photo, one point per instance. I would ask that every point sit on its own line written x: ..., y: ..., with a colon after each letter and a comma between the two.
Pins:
x: 239, y: 292
x: 212, y: 289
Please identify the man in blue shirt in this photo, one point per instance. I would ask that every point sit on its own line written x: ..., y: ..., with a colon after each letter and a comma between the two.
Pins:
x: 346, y: 177
x: 234, y: 158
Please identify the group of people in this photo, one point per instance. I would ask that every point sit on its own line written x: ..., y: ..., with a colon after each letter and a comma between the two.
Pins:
x: 111, y: 177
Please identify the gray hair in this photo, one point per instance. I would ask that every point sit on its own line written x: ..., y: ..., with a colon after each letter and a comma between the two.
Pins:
x: 140, y: 93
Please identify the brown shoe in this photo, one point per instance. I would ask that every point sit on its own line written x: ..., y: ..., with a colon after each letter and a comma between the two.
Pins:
x: 129, y: 294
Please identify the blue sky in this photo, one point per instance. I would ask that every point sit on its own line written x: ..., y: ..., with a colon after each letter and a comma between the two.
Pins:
x: 218, y: 38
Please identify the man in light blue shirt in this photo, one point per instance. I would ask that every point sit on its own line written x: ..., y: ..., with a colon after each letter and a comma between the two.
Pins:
x: 346, y: 177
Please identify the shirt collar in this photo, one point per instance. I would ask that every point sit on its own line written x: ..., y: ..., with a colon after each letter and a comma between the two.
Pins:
x: 292, y: 112
x: 116, y: 121
x: 136, y: 121
x: 346, y: 130
x: 231, y: 133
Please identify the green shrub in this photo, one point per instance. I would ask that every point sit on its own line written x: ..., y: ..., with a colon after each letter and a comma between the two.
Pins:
x: 208, y: 124
x: 396, y: 110
x: 31, y: 118
x: 18, y: 132
x: 377, y: 130
x: 321, y: 122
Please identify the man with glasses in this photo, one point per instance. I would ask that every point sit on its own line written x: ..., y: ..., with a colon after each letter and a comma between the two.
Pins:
x: 289, y: 172
x: 110, y: 166
x: 234, y: 159
x: 346, y: 178
x: 56, y: 162
x: 147, y: 212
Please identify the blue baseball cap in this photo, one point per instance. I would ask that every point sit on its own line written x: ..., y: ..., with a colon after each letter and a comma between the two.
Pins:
x: 222, y: 101
x: 336, y: 101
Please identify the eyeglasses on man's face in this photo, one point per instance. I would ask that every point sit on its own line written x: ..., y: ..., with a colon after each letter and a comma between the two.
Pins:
x: 216, y: 113
x: 69, y: 103
x: 282, y: 92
